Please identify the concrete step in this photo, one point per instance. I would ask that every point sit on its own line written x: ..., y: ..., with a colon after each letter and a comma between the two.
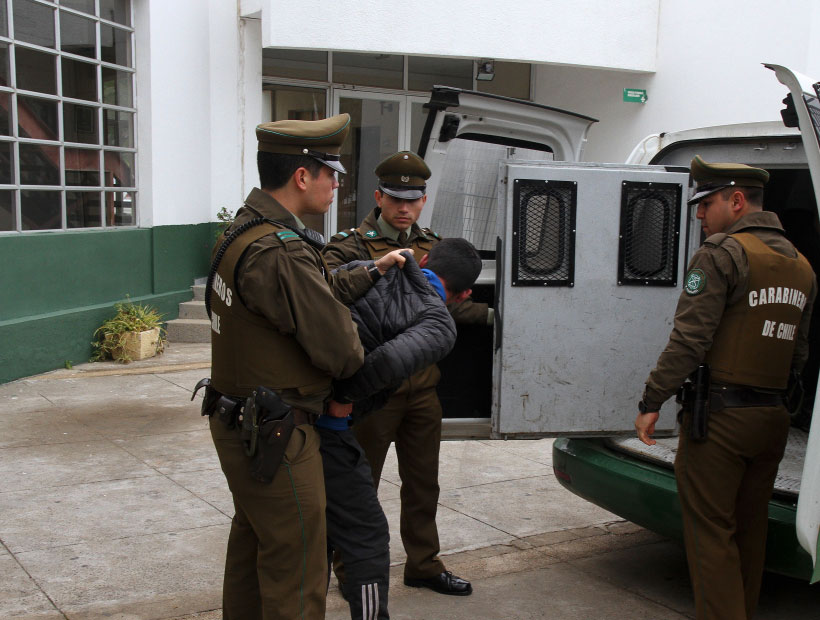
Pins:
x: 193, y: 310
x: 199, y: 292
x: 189, y: 330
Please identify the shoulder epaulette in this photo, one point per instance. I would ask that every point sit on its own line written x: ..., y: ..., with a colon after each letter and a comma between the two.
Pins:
x: 287, y: 235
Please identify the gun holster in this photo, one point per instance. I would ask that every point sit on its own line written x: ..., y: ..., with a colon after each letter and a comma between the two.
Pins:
x: 693, y: 396
x: 266, y: 426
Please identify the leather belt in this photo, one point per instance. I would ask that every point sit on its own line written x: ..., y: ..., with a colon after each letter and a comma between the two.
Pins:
x: 734, y: 396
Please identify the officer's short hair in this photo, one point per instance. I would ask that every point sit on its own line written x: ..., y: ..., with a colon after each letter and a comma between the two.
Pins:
x: 754, y: 195
x: 457, y: 261
x: 276, y: 169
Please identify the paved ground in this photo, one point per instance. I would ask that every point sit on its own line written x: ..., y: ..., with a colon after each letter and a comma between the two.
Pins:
x: 112, y: 505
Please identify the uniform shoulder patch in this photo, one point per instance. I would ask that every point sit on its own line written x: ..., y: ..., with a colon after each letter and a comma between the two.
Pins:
x: 287, y: 235
x: 695, y: 282
x: 371, y: 234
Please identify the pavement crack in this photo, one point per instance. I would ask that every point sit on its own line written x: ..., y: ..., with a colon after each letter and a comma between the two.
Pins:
x: 33, y: 580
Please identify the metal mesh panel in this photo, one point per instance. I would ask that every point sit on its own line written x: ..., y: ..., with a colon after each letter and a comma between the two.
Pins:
x: 467, y: 199
x: 544, y: 233
x: 650, y: 230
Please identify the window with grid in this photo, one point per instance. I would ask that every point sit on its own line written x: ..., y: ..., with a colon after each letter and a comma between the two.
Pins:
x: 543, y: 243
x: 649, y: 234
x: 67, y: 115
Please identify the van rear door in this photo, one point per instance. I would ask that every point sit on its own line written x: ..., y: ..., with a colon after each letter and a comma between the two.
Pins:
x: 804, y: 110
x: 588, y: 274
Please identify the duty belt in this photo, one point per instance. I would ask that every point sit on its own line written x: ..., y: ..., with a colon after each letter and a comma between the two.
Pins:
x: 733, y: 396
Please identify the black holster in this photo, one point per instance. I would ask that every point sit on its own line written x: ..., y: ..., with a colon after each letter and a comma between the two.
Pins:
x: 693, y: 396
x: 267, y: 424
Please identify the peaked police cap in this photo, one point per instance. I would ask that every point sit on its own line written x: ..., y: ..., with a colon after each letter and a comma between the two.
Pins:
x: 403, y: 175
x: 321, y: 140
x: 711, y: 178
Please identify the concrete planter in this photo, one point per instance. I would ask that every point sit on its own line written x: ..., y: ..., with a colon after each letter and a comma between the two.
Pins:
x: 138, y: 345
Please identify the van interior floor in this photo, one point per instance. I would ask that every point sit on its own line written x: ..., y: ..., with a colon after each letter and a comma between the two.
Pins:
x: 663, y: 453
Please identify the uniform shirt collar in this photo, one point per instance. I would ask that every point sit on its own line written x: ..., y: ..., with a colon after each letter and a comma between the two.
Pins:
x: 387, y: 230
x: 269, y: 207
x: 756, y: 219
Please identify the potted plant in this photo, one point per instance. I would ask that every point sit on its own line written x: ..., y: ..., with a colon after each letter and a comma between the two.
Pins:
x: 135, y: 332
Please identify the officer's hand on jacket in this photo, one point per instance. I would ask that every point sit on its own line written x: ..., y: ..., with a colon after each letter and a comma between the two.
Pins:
x: 645, y: 426
x: 393, y: 258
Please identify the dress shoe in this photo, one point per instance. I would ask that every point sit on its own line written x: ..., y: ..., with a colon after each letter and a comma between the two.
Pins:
x: 445, y: 583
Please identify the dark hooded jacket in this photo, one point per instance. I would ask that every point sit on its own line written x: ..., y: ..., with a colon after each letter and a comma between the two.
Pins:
x: 404, y: 327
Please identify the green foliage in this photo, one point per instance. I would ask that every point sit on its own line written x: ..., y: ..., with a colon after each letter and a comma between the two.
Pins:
x: 69, y: 364
x: 130, y: 317
x: 226, y: 219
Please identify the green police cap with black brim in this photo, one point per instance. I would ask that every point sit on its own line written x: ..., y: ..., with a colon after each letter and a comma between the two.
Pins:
x: 711, y: 178
x: 403, y: 175
x: 321, y: 140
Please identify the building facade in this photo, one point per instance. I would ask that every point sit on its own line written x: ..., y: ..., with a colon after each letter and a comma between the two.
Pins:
x: 125, y: 125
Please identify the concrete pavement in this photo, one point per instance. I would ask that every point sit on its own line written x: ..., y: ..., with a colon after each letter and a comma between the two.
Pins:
x: 112, y: 505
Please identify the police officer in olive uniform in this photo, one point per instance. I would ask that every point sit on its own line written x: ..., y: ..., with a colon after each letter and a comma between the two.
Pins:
x: 412, y: 416
x: 279, y: 320
x: 745, y: 311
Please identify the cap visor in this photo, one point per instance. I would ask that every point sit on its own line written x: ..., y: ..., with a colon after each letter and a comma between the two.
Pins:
x: 336, y: 165
x: 404, y: 194
x: 701, y: 195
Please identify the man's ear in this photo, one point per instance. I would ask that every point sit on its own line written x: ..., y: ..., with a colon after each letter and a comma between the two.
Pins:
x: 459, y: 297
x: 300, y: 178
x: 737, y: 201
x: 423, y: 260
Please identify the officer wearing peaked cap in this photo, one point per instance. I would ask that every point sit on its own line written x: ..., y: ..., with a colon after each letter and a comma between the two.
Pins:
x: 412, y: 416
x: 278, y: 321
x: 750, y: 340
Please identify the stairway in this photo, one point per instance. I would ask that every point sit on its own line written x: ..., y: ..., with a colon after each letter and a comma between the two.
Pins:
x: 193, y: 324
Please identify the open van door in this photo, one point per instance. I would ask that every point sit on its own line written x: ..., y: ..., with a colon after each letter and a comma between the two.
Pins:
x: 588, y: 270
x: 588, y: 261
x: 803, y: 109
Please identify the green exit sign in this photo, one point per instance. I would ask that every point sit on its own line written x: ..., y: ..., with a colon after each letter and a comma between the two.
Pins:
x: 635, y: 95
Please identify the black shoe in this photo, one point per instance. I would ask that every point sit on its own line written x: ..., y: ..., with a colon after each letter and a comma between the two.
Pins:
x: 445, y: 583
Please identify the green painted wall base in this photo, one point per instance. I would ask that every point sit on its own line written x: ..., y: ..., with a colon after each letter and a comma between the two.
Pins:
x: 57, y: 288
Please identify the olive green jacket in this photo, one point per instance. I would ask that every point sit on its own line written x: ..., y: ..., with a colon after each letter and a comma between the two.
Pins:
x: 726, y: 271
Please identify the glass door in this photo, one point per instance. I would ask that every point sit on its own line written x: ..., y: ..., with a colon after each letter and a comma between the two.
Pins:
x: 378, y: 129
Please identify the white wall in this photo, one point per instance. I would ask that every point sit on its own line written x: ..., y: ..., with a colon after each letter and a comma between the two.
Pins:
x: 708, y: 72
x: 602, y: 33
x: 198, y: 82
x: 199, y: 71
x: 173, y: 109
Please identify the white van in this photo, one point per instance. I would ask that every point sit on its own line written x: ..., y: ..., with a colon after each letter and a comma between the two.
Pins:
x: 583, y: 265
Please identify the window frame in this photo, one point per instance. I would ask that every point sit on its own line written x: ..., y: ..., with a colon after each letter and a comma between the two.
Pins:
x: 103, y: 191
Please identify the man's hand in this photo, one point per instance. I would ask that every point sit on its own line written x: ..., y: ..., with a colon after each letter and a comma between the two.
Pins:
x: 393, y: 258
x: 645, y: 426
x: 339, y: 410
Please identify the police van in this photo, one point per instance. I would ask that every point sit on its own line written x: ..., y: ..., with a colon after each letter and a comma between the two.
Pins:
x: 583, y: 265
